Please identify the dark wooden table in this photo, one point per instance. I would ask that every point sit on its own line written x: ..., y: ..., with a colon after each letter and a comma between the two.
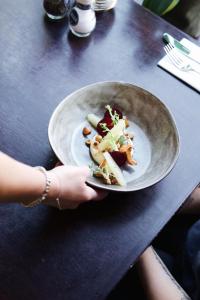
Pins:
x: 82, y: 254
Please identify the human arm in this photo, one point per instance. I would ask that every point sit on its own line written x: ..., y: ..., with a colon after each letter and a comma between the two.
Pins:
x: 192, y: 203
x: 156, y: 279
x: 22, y: 183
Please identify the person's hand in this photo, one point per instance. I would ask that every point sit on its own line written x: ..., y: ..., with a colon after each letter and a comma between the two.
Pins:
x: 69, y: 185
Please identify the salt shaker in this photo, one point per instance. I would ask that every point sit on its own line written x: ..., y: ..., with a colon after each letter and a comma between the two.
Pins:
x: 56, y: 9
x: 100, y: 5
x: 82, y: 19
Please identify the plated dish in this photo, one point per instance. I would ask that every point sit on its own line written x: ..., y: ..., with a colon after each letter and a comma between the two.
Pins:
x: 155, y: 144
x: 111, y: 147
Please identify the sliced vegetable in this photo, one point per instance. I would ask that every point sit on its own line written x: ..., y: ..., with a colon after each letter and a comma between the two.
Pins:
x: 110, y: 119
x: 117, y: 173
x: 128, y: 150
x: 95, y: 153
x: 109, y: 141
x: 119, y: 157
x: 111, y: 147
x: 93, y: 119
x: 104, y: 126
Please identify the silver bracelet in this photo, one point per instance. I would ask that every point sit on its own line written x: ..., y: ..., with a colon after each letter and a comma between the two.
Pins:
x: 58, y: 202
x: 46, y: 191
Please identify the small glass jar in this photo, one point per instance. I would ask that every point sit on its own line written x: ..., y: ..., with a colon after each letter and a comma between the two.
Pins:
x: 56, y: 9
x: 100, y: 5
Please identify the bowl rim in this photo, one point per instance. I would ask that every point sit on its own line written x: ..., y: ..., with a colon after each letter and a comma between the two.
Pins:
x: 113, y: 187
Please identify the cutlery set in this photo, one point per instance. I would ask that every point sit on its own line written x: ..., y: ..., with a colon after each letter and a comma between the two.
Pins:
x: 177, y: 60
x: 176, y: 52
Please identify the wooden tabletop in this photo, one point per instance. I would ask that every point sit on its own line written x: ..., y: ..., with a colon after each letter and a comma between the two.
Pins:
x: 82, y: 254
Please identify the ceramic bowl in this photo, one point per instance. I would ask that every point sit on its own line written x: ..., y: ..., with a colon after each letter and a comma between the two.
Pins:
x: 156, y: 139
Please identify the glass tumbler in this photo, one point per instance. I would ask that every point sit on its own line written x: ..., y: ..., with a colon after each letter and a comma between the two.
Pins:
x: 56, y: 9
x: 100, y: 5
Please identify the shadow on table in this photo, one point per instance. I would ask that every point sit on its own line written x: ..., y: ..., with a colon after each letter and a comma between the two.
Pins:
x: 78, y: 45
x: 105, y: 22
x: 55, y: 29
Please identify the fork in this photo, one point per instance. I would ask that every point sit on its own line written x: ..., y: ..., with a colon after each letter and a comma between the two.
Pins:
x: 177, y: 60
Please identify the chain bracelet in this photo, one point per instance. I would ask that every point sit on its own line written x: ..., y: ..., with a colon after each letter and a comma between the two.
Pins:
x: 46, y: 191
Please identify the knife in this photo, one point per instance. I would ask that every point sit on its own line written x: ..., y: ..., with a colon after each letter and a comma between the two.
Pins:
x: 167, y: 38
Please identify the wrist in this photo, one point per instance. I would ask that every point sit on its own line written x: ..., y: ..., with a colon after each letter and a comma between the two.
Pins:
x: 54, y: 191
x: 47, y: 188
x: 35, y: 189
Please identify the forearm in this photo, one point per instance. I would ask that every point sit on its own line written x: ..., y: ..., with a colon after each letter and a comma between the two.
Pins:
x: 157, y: 280
x: 19, y: 182
x: 192, y: 203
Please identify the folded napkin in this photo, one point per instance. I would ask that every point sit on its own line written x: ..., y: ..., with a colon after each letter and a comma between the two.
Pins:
x: 190, y: 77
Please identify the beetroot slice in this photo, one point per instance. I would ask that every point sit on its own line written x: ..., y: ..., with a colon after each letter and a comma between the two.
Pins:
x: 107, y: 119
x: 109, y: 124
x: 114, y: 108
x: 119, y: 157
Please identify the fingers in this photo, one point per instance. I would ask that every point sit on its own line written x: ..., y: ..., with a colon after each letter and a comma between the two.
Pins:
x: 58, y: 164
x: 66, y: 171
x: 95, y: 194
x: 84, y: 171
x: 90, y: 193
x: 66, y: 205
x: 72, y: 188
x: 101, y: 194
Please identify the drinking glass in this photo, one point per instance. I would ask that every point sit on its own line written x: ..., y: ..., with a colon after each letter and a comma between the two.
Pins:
x: 100, y: 5
x: 55, y: 9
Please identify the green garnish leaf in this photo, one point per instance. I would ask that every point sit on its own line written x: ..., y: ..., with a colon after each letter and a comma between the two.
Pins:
x: 122, y: 140
x: 104, y: 127
x: 115, y: 116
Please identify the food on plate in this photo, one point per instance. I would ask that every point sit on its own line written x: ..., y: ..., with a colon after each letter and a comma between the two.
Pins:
x: 86, y: 131
x: 112, y: 146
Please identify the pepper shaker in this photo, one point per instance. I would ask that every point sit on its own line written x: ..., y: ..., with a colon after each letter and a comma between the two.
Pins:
x: 82, y: 19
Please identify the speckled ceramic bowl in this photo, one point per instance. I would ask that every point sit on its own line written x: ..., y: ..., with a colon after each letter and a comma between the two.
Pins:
x: 156, y: 139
